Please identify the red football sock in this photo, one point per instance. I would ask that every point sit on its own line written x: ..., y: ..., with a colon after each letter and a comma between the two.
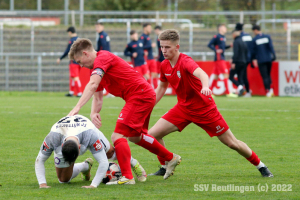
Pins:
x: 161, y: 160
x: 213, y: 84
x: 254, y: 159
x: 149, y: 81
x: 155, y: 82
x: 123, y: 155
x: 78, y: 86
x: 151, y: 144
x: 226, y: 85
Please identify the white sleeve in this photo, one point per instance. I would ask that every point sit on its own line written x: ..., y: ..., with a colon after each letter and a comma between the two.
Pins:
x: 102, y: 168
x: 40, y: 167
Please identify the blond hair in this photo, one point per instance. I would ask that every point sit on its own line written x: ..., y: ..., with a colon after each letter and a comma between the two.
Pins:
x: 169, y: 34
x: 78, y: 46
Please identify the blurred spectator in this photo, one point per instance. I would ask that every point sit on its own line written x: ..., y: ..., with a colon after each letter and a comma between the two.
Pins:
x: 248, y: 40
x: 103, y: 40
x: 160, y: 56
x: 239, y: 61
x: 147, y: 45
x: 74, y: 67
x: 263, y: 54
x: 135, y: 50
x: 218, y: 45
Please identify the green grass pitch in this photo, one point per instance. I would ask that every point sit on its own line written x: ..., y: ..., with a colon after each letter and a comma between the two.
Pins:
x: 269, y: 126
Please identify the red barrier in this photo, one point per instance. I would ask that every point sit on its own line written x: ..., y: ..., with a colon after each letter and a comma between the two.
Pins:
x: 254, y: 78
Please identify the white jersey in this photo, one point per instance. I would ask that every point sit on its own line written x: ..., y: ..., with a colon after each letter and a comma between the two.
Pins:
x: 79, y: 126
x: 88, y: 136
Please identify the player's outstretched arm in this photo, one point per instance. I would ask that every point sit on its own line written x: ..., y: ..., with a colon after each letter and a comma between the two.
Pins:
x: 88, y: 92
x: 96, y: 108
x: 199, y: 73
x: 40, y: 169
x: 102, y: 168
x: 161, y: 90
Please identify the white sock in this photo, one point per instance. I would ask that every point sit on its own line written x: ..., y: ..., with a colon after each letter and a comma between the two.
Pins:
x: 164, y: 166
x: 261, y: 164
x: 240, y: 87
x: 113, y: 157
x: 133, y: 162
x: 79, y: 167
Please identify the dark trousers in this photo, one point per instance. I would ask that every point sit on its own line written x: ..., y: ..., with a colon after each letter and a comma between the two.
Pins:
x: 265, y: 72
x: 240, y: 70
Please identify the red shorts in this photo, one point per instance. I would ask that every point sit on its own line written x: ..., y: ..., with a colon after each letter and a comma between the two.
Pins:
x: 141, y: 69
x: 209, y: 119
x: 220, y: 67
x: 135, y: 115
x: 158, y: 66
x: 152, y: 65
x: 74, y: 69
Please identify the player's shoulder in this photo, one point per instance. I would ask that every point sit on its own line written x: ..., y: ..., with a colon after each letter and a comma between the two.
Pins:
x: 185, y: 58
x: 164, y: 62
x: 104, y: 53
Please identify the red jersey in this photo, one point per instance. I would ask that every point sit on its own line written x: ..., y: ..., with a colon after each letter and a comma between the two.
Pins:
x: 120, y: 79
x: 187, y: 86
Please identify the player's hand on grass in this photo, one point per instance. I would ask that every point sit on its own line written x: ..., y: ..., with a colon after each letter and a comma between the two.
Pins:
x: 74, y: 111
x: 44, y: 185
x: 90, y: 186
x: 96, y: 119
x: 206, y: 91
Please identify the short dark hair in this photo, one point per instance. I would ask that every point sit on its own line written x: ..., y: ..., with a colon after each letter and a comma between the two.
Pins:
x: 239, y: 26
x: 132, y: 32
x: 70, y: 151
x: 71, y: 29
x: 145, y: 25
x: 157, y: 27
x: 255, y: 27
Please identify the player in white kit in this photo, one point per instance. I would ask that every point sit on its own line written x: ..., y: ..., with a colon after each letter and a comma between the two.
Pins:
x: 70, y: 137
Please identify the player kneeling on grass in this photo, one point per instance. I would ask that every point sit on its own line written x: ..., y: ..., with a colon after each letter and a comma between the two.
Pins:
x: 71, y: 137
x: 195, y: 104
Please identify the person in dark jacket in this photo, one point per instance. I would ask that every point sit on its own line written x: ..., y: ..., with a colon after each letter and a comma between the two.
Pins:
x: 239, y: 61
x: 263, y: 54
x: 74, y: 68
x: 135, y: 51
x: 248, y: 40
x: 103, y: 40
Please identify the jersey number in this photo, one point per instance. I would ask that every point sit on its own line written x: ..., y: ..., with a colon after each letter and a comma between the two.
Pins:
x: 66, y: 121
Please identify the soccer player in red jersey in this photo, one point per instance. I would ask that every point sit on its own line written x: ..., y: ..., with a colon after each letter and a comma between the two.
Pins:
x: 148, y: 52
x: 120, y: 79
x: 74, y: 68
x: 195, y: 104
x: 218, y: 45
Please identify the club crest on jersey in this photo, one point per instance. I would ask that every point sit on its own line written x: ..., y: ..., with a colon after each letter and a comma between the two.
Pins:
x: 178, y: 74
x: 97, y: 145
x: 45, y: 146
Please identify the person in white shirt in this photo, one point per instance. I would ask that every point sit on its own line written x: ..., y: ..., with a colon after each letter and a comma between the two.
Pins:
x: 70, y: 137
